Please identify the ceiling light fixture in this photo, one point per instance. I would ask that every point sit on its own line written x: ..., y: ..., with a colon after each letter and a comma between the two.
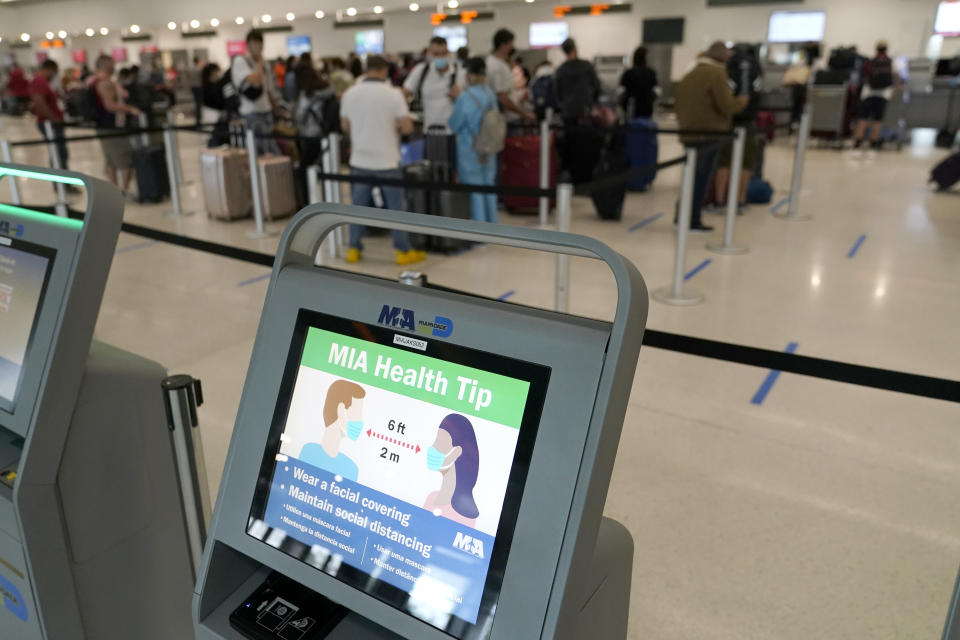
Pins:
x: 89, y: 31
x: 62, y: 35
x: 172, y: 25
x: 378, y: 9
x: 414, y: 6
x: 104, y: 31
x: 25, y: 37
x: 291, y: 17
x: 194, y: 24
x: 319, y: 15
x: 49, y: 35
x: 453, y: 4
x: 351, y: 12
x: 134, y: 28
x: 239, y: 20
x: 214, y: 22
x: 266, y: 19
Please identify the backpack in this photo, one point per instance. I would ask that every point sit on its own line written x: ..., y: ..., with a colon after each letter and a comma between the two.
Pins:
x: 544, y: 93
x: 881, y: 73
x: 321, y: 115
x: 83, y: 104
x: 492, y: 136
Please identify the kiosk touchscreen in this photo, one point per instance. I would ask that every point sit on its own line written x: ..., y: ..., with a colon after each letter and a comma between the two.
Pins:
x: 416, y: 463
x: 92, y: 541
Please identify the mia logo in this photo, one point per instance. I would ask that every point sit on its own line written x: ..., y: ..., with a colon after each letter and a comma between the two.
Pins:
x: 9, y: 229
x: 399, y: 318
x: 468, y: 544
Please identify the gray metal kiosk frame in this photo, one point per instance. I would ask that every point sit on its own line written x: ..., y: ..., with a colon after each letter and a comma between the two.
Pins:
x: 92, y: 539
x: 568, y: 571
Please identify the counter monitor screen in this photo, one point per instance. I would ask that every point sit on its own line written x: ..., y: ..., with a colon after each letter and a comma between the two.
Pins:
x: 370, y: 41
x: 947, y: 22
x: 796, y: 26
x: 396, y: 464
x: 24, y: 269
x: 544, y: 35
x: 455, y: 35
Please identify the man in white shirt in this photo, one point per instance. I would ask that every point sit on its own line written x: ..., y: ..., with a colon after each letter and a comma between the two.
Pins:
x: 500, y: 75
x: 374, y: 113
x: 254, y: 80
x: 435, y: 83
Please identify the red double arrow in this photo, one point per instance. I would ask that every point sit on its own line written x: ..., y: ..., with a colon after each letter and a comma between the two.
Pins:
x: 400, y: 443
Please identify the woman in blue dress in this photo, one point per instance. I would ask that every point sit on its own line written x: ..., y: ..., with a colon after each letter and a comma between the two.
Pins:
x: 465, y: 122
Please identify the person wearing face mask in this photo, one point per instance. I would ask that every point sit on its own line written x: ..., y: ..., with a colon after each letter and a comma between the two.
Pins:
x: 343, y: 418
x: 433, y: 85
x: 454, y: 453
x: 500, y: 75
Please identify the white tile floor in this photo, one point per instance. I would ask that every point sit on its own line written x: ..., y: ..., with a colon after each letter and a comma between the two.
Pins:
x: 827, y: 511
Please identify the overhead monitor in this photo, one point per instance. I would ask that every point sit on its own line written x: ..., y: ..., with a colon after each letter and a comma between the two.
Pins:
x: 947, y: 22
x: 370, y: 41
x: 456, y: 35
x: 544, y: 35
x: 385, y: 449
x: 24, y: 270
x: 663, y: 31
x: 796, y: 26
x: 298, y: 45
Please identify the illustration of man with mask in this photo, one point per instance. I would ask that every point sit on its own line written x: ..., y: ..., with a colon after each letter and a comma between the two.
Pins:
x: 342, y: 417
x: 454, y: 453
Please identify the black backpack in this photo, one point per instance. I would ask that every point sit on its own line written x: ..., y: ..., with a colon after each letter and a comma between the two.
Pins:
x: 83, y: 103
x: 881, y: 73
x: 842, y: 59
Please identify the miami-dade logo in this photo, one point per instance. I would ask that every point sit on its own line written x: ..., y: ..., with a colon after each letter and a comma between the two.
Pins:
x: 7, y: 228
x: 400, y: 318
x: 468, y: 544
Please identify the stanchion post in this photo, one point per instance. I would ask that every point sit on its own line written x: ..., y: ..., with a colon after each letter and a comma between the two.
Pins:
x: 545, y: 165
x: 182, y: 395
x: 335, y: 163
x: 313, y: 196
x: 7, y: 153
x: 564, y: 202
x: 171, y: 172
x: 171, y: 121
x: 61, y: 206
x: 675, y: 293
x: 733, y: 197
x: 803, y: 135
x: 255, y: 186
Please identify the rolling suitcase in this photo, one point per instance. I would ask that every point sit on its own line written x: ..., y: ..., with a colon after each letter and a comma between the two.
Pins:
x: 448, y: 204
x: 520, y: 167
x: 947, y: 172
x: 277, y: 191
x: 150, y: 167
x: 608, y: 201
x: 642, y: 151
x: 226, y: 183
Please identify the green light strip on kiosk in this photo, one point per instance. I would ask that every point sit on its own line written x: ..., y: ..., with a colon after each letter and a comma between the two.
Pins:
x: 37, y: 175
x: 43, y: 218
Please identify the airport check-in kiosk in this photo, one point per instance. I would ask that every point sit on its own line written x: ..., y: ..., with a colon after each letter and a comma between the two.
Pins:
x: 92, y: 540
x: 415, y: 463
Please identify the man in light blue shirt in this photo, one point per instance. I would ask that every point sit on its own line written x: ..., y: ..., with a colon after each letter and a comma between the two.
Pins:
x: 342, y: 417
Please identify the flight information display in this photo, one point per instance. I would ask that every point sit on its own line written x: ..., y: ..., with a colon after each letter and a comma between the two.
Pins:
x: 396, y: 464
x: 23, y: 275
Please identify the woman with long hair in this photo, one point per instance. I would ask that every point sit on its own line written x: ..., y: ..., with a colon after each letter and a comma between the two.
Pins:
x: 640, y: 88
x: 455, y: 455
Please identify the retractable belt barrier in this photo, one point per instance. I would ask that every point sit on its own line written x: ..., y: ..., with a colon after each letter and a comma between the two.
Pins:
x: 861, y: 375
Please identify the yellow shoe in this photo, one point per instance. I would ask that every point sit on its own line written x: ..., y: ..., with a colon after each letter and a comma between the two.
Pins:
x: 353, y: 255
x: 409, y: 257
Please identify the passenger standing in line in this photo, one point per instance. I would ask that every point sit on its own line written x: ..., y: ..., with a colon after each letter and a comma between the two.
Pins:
x: 640, y: 87
x: 254, y: 80
x: 340, y: 78
x: 879, y: 81
x: 500, y: 75
x: 578, y: 88
x: 374, y: 113
x: 465, y: 122
x: 434, y: 84
x: 43, y: 101
x: 110, y: 109
x: 705, y: 102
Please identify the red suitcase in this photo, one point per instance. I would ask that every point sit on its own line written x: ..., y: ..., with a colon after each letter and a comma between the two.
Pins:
x: 520, y: 167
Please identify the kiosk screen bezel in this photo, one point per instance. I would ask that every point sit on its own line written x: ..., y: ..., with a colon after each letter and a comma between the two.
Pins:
x: 538, y: 377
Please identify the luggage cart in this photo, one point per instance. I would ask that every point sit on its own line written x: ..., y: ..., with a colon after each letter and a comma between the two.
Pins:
x: 829, y: 107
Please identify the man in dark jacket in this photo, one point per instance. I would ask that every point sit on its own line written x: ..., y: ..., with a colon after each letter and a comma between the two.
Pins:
x: 578, y: 88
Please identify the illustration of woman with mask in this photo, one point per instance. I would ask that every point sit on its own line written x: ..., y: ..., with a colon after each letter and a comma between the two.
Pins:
x: 455, y: 455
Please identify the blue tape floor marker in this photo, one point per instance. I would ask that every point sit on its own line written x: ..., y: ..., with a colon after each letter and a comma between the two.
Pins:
x: 768, y: 383
x: 134, y: 247
x: 856, y: 245
x: 697, y: 269
x: 506, y: 295
x: 777, y: 206
x: 252, y: 280
x: 645, y: 222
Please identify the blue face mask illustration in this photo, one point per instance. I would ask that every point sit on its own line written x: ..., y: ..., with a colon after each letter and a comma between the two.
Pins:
x: 354, y: 429
x: 435, y: 458
x: 441, y: 63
